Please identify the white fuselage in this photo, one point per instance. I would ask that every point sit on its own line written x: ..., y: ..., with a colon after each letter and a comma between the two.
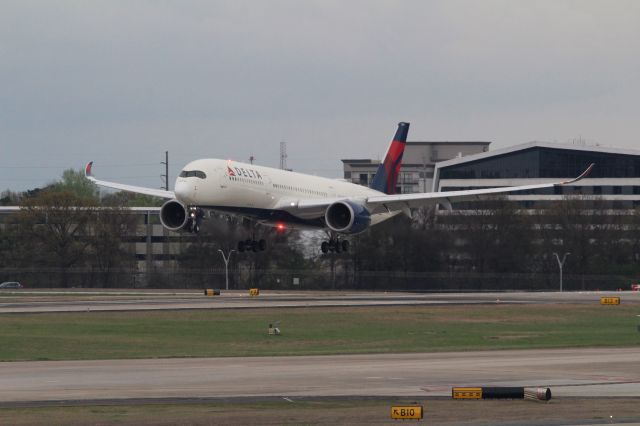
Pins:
x: 247, y: 189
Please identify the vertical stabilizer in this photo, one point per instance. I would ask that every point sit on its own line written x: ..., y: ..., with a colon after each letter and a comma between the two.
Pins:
x: 387, y: 174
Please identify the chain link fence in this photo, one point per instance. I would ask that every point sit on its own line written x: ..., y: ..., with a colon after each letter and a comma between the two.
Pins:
x: 311, y: 280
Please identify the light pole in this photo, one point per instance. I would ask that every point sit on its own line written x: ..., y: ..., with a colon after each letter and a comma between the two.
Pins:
x: 561, y: 264
x: 226, y: 265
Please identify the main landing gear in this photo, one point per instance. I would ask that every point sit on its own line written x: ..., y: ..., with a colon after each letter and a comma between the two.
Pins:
x: 196, y: 216
x: 334, y: 245
x: 252, y: 245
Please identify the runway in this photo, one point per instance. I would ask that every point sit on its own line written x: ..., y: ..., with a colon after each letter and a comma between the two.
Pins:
x: 81, y: 301
x: 611, y: 372
x: 570, y: 373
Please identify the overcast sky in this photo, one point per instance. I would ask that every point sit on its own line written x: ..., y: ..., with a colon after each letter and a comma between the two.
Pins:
x: 120, y: 82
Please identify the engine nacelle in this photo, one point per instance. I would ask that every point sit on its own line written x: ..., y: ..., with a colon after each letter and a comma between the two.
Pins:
x: 347, y: 217
x: 174, y: 216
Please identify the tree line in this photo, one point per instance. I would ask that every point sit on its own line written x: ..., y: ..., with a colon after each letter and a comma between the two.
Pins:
x: 66, y: 235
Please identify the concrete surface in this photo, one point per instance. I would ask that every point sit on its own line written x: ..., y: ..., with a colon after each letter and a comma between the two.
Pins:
x: 78, y: 301
x: 599, y: 372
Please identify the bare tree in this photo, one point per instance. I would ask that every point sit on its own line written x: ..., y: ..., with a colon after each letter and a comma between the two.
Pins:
x: 496, y: 237
x: 55, y: 229
x: 109, y: 228
x: 576, y: 225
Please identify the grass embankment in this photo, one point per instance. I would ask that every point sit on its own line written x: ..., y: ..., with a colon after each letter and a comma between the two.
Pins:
x: 315, y: 331
x: 331, y: 412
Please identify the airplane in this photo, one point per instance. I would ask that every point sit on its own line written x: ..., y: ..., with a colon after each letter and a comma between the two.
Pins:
x: 283, y: 198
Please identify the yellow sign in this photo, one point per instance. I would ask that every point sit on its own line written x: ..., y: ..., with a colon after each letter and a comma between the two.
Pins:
x: 211, y: 292
x: 466, y: 393
x: 612, y: 300
x: 254, y: 292
x: 406, y: 412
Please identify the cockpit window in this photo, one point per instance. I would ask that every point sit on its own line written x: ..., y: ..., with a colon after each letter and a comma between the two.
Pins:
x: 193, y: 173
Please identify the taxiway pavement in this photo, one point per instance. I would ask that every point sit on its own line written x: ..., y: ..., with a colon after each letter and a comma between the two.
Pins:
x: 601, y: 372
x: 65, y: 301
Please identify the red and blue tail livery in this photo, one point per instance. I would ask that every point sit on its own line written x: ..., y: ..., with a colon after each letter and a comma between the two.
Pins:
x: 386, y: 176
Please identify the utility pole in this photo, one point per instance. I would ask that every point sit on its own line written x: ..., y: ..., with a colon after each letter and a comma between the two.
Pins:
x: 424, y: 172
x: 166, y: 170
x: 283, y: 155
x: 561, y: 264
x: 226, y: 265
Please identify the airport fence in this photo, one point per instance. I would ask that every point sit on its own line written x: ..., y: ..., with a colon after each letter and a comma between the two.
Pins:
x: 311, y: 280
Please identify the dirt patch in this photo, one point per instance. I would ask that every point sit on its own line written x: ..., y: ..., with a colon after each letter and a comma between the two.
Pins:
x: 514, y: 336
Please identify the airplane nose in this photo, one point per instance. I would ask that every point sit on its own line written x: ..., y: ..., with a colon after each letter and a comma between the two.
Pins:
x: 183, y: 192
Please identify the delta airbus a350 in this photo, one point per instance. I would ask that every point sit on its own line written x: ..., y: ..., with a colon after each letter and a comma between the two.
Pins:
x: 282, y: 198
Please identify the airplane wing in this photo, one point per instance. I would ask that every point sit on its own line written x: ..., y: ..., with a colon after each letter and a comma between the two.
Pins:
x: 129, y: 188
x: 378, y: 203
x: 418, y: 200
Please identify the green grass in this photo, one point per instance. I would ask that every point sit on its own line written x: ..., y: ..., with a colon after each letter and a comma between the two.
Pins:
x: 351, y: 411
x: 205, y: 414
x: 314, y: 331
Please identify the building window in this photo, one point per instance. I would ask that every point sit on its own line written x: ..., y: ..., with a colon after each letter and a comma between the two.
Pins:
x: 364, y: 179
x: 539, y: 162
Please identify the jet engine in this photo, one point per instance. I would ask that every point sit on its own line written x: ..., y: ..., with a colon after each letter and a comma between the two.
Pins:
x: 347, y: 217
x: 174, y: 216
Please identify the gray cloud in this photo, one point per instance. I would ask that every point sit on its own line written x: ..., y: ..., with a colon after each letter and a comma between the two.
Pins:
x: 119, y: 82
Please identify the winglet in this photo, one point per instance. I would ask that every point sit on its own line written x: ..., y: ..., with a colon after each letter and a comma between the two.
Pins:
x: 87, y: 169
x: 582, y: 176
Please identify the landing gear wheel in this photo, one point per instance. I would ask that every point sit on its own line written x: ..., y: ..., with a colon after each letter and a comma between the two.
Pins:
x: 250, y: 245
x: 335, y: 245
x: 196, y: 216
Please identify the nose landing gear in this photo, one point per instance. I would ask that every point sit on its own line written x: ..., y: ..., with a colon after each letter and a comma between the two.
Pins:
x: 196, y: 216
